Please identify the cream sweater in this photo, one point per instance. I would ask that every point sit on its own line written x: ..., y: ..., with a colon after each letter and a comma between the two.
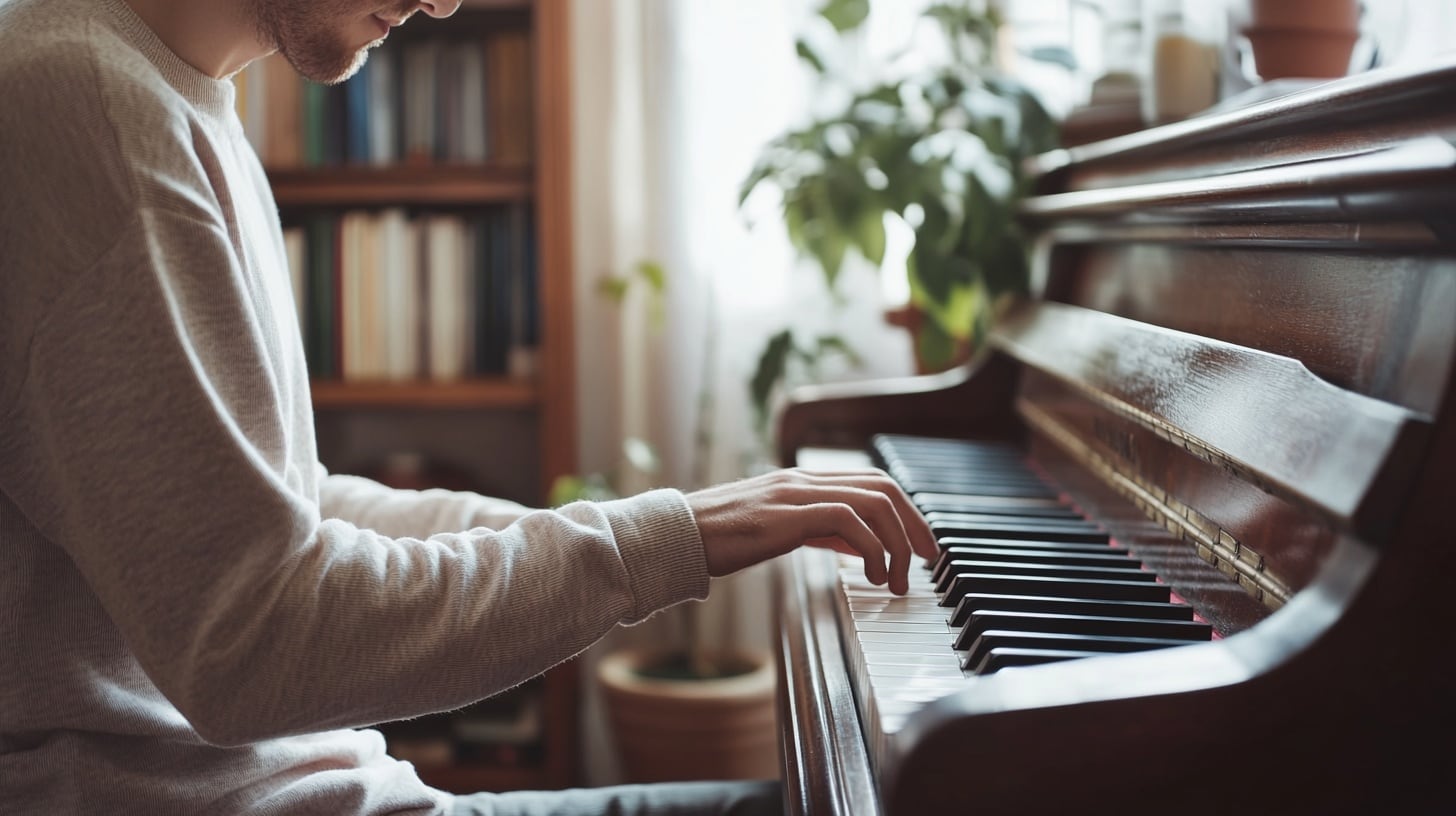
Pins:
x: 194, y: 617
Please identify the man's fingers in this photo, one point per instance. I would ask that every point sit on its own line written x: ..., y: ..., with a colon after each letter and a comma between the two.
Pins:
x: 922, y: 540
x: 839, y: 520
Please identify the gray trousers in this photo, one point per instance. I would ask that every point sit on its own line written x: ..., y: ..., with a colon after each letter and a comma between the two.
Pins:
x: 761, y: 798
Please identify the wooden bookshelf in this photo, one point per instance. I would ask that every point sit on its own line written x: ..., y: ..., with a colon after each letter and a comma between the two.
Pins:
x: 548, y: 397
x: 418, y: 394
x: 410, y: 185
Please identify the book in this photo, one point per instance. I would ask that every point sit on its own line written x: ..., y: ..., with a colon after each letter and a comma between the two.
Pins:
x: 295, y: 248
x: 283, y: 89
x: 251, y: 103
x: 357, y: 103
x: 417, y: 91
x: 312, y: 95
x: 319, y: 325
x: 473, y: 136
x: 402, y: 288
x: 383, y: 112
x: 447, y: 297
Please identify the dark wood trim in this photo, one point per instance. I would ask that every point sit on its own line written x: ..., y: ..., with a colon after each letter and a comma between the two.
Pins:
x: 822, y: 749
x: 404, y: 184
x: 1370, y: 95
x: 485, y: 393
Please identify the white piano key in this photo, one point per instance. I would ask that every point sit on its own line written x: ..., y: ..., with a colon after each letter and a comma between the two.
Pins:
x: 910, y: 639
x: 893, y: 647
x: 919, y: 672
x: 938, y: 658
x: 902, y: 627
x: 937, y: 617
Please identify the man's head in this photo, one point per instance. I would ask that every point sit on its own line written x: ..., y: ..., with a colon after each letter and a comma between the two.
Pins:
x: 327, y: 40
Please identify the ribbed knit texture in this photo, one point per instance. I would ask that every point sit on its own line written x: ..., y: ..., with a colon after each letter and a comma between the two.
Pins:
x: 194, y: 616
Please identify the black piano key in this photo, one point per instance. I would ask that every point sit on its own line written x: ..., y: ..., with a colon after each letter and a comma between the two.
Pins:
x: 1074, y: 523
x: 957, y: 569
x: 1042, y: 622
x: 1110, y: 558
x: 976, y: 601
x: 1005, y: 657
x: 1014, y: 543
x: 921, y: 485
x: 1037, y: 532
x: 1052, y: 511
x: 1001, y: 505
x: 971, y: 479
x: 967, y: 583
x: 998, y: 638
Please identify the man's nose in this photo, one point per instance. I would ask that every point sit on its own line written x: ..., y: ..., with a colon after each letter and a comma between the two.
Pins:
x: 439, y: 8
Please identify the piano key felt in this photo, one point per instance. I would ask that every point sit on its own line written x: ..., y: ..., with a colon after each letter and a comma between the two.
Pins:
x: 1042, y: 622
x: 976, y: 601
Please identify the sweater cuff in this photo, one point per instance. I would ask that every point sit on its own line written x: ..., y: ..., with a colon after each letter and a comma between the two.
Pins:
x: 659, y: 543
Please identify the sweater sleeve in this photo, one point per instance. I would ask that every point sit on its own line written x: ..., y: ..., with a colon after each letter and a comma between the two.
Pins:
x: 417, y: 513
x: 156, y: 455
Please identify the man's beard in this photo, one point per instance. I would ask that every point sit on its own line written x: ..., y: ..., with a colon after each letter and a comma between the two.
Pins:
x: 308, y: 34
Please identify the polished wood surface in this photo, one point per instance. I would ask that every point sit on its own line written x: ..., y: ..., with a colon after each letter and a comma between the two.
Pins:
x: 334, y: 395
x: 1242, y: 363
x: 423, y: 184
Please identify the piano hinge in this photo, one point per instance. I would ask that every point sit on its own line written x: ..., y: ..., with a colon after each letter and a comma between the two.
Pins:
x: 1212, y: 543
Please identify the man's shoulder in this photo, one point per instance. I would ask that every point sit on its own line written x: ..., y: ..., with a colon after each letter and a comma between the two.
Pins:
x: 60, y: 60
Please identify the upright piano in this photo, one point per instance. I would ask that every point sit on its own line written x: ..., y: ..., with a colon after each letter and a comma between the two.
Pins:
x: 1196, y: 501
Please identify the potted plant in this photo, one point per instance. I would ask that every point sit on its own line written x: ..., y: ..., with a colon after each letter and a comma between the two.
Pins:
x: 685, y: 705
x: 940, y: 149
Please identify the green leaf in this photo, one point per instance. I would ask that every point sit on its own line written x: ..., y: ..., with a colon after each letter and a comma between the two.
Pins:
x: 654, y: 274
x: 870, y: 237
x: 773, y: 364
x: 614, y: 288
x: 807, y: 54
x: 845, y: 14
x: 835, y: 344
x: 934, y: 347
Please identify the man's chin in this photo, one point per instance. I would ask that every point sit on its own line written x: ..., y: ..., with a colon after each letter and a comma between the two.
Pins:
x: 337, y: 68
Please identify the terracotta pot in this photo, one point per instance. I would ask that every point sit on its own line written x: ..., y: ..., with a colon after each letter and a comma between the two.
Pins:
x: 911, y: 319
x: 688, y: 729
x: 1323, y: 15
x: 1301, y: 53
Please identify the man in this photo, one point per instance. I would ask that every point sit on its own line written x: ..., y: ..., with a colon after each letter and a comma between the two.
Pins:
x: 196, y: 618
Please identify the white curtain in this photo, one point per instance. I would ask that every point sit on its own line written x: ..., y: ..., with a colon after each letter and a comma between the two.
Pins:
x: 673, y: 101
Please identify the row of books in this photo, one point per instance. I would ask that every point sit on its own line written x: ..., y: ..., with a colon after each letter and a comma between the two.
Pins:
x: 431, y: 100
x: 392, y: 296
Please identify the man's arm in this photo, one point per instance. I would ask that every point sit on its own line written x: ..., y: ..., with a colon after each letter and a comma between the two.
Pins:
x: 410, y: 513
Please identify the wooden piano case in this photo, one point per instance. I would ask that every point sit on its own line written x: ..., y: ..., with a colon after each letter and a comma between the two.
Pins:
x: 1240, y: 361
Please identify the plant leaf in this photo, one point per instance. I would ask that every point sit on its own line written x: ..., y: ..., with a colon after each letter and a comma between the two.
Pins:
x: 845, y: 14
x: 870, y: 237
x: 614, y: 288
x: 773, y: 364
x: 808, y: 54
x: 654, y: 274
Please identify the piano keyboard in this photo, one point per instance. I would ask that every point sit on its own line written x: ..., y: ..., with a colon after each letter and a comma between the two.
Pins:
x: 1022, y: 578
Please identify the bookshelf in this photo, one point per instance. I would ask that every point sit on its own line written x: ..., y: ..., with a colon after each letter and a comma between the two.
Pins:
x: 518, y: 422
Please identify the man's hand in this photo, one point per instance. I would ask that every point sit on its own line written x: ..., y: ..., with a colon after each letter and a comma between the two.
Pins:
x: 858, y: 512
